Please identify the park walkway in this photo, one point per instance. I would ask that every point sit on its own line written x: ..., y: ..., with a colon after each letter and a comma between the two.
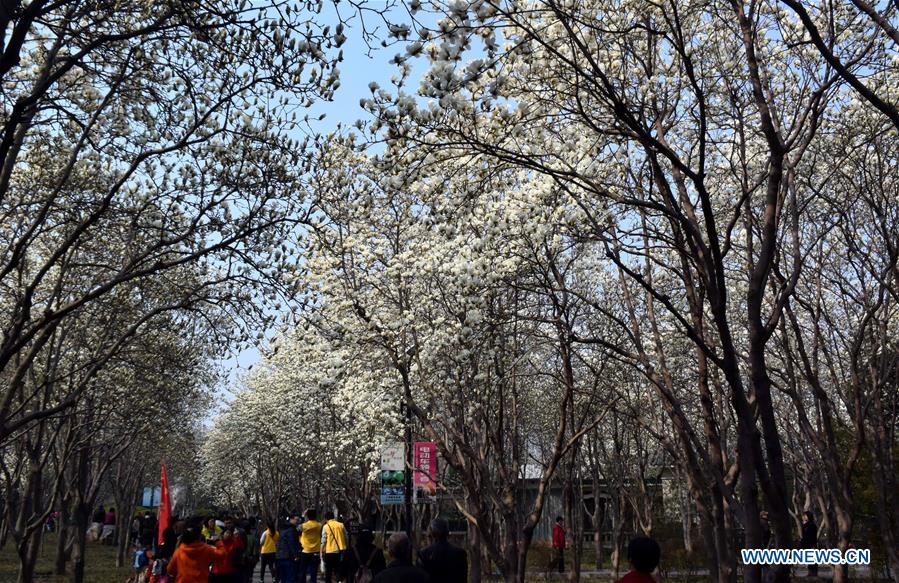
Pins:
x: 859, y: 572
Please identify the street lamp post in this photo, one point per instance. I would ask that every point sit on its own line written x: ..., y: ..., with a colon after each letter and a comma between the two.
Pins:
x: 407, y: 476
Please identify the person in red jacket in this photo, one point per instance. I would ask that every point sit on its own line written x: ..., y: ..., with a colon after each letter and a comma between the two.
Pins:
x: 224, y: 570
x: 559, y: 544
x: 643, y: 554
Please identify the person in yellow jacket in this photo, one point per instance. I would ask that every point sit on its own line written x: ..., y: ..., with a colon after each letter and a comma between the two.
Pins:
x: 334, y: 544
x: 268, y: 546
x: 211, y: 532
x: 311, y: 543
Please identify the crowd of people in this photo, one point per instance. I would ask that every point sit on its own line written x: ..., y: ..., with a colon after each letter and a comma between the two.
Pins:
x: 144, y: 528
x: 215, y: 549
x: 301, y: 550
x: 294, y: 550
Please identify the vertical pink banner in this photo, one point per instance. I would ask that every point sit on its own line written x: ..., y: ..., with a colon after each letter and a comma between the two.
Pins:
x: 425, y: 471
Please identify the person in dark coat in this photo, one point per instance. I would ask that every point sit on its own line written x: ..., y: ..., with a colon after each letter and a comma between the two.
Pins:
x: 365, y: 555
x: 149, y: 528
x: 444, y: 562
x: 400, y: 569
x: 809, y: 539
x: 99, y: 516
x: 287, y: 551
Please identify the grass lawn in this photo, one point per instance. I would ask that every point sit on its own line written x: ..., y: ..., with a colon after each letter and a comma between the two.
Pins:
x: 100, y: 565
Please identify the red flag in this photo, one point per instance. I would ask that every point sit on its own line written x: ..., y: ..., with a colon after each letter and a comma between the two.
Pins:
x: 165, y: 505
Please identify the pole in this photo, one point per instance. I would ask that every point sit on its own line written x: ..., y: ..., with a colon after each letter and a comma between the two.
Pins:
x: 407, y: 476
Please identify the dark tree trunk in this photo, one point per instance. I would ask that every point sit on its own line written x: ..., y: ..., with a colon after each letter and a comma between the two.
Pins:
x: 28, y: 559
x: 27, y: 546
x: 887, y: 487
x: 64, y: 532
x: 475, y: 569
x: 81, y: 519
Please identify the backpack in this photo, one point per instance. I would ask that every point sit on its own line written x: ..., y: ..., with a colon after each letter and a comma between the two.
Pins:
x: 140, y: 559
x: 159, y: 567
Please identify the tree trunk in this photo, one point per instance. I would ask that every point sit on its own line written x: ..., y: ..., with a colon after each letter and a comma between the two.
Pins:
x: 883, y: 415
x: 523, y: 546
x: 81, y: 514
x: 749, y: 493
x: 25, y: 544
x: 686, y: 513
x: 724, y: 538
x: 617, y: 533
x: 4, y: 527
x: 572, y: 496
x: 79, y: 540
x: 123, y: 525
x: 64, y: 532
x: 887, y: 516
x: 597, y: 517
x: 125, y: 503
x: 475, y: 569
x: 28, y: 559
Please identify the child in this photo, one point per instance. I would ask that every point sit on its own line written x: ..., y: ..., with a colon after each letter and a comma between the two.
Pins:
x: 141, y: 563
x: 644, y: 554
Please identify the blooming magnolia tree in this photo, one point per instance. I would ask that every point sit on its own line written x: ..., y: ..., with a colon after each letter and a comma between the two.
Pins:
x: 446, y: 287
x: 594, y: 241
x: 305, y: 431
x: 692, y: 138
x: 643, y: 184
x: 140, y: 140
x: 151, y: 161
x: 101, y: 450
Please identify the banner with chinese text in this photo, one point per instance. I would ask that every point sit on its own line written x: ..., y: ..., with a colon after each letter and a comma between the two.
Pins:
x: 425, y: 472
